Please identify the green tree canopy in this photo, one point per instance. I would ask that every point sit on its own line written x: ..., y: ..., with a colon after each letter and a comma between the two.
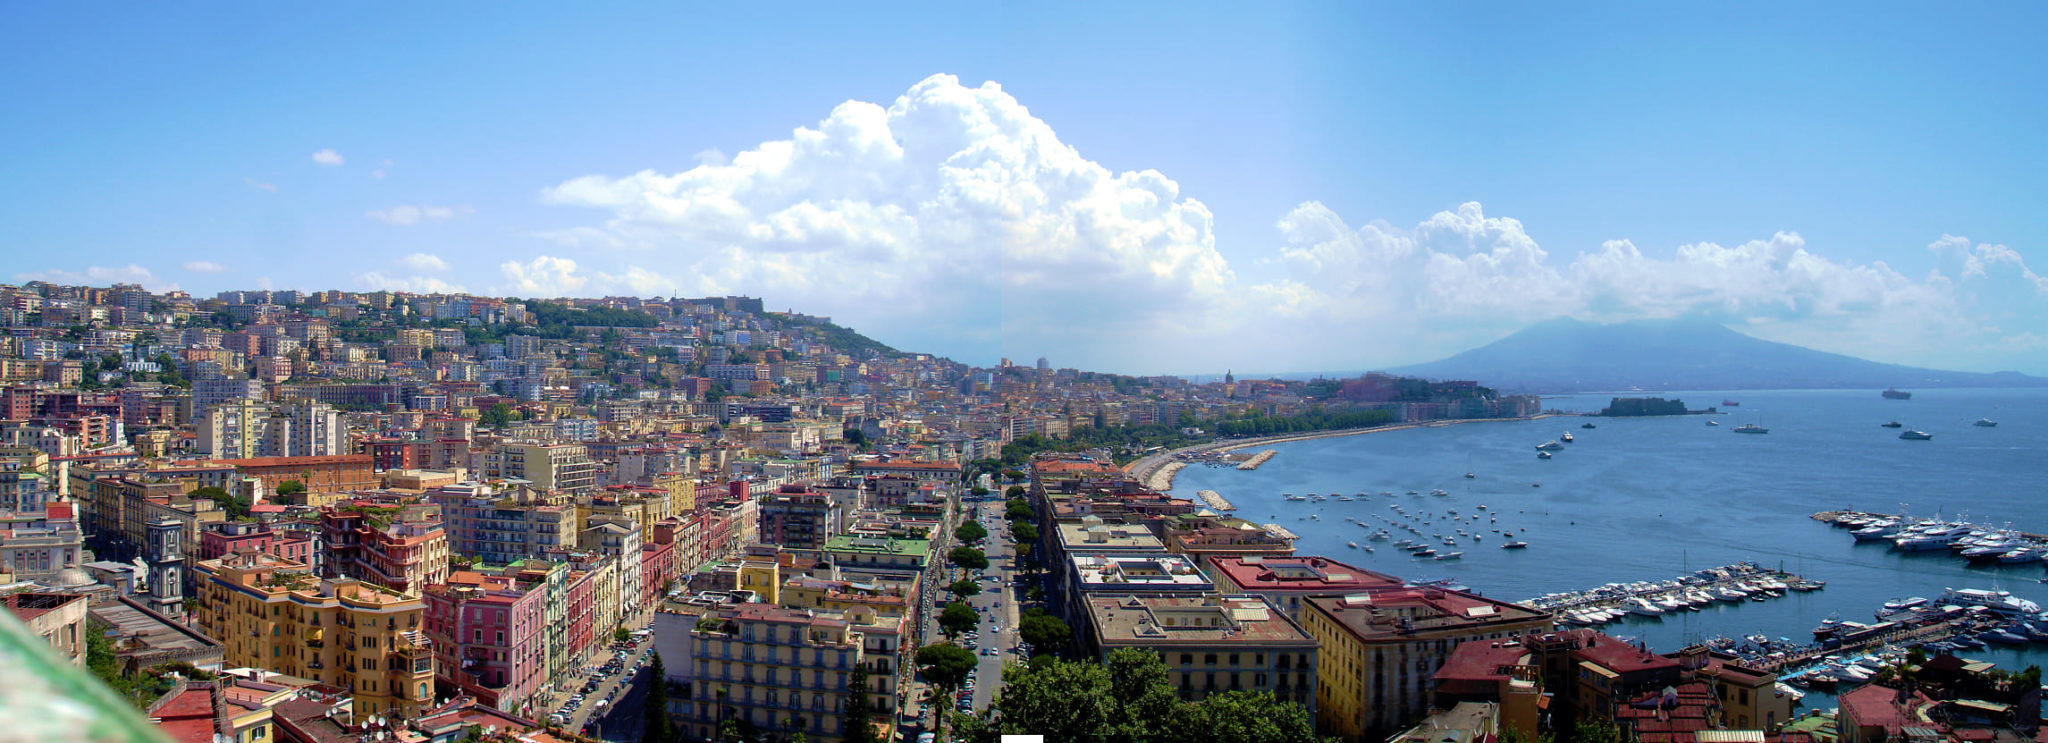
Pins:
x: 1127, y: 698
x: 859, y: 712
x: 1024, y: 531
x: 497, y: 416
x: 971, y: 531
x: 957, y: 618
x: 236, y: 508
x: 654, y: 722
x: 1045, y: 633
x: 290, y: 487
x: 968, y: 557
x: 1014, y: 491
x: 964, y: 588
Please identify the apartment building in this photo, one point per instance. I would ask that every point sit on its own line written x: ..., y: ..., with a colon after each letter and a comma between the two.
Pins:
x: 1380, y: 651
x: 798, y: 517
x: 498, y: 525
x: 272, y: 613
x: 545, y: 466
x: 246, y: 429
x: 1211, y: 644
x: 490, y: 636
x: 1286, y: 580
x: 783, y: 670
x: 385, y: 548
x: 39, y: 545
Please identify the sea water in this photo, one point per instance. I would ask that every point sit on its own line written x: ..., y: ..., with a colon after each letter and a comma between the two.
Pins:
x: 1648, y: 499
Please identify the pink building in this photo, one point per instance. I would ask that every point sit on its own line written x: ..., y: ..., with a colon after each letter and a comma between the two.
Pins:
x: 490, y: 637
x: 582, y: 615
x: 229, y: 538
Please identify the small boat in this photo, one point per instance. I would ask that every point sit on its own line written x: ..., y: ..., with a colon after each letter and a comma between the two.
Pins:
x: 1985, y: 423
x: 1354, y: 545
x: 1911, y: 435
x: 1535, y: 484
x: 1730, y: 403
x: 1891, y: 424
x: 1751, y: 428
x: 1567, y: 437
x: 1450, y: 555
x: 1469, y: 475
x: 1542, y: 455
x: 1549, y: 446
x: 1711, y: 422
x: 1587, y: 425
x: 1515, y: 546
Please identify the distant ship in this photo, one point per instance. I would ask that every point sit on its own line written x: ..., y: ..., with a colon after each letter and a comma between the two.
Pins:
x: 1730, y: 404
x: 1893, y: 424
x: 1587, y: 425
x: 1549, y: 446
x: 1750, y: 428
x: 1567, y: 437
x: 1893, y: 393
x: 1985, y: 423
x: 1911, y: 435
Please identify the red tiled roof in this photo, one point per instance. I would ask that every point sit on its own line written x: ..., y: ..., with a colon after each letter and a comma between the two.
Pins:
x: 363, y: 459
x: 186, y: 716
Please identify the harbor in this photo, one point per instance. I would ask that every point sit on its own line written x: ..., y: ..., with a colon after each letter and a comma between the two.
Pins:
x: 1974, y: 543
x: 1742, y: 581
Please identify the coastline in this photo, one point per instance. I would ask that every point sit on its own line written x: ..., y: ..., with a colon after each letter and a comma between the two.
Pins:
x: 1157, y: 471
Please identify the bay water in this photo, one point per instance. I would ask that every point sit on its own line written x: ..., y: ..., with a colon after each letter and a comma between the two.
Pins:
x: 1654, y: 498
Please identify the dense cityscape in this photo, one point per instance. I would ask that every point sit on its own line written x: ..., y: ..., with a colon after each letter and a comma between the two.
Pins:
x: 365, y: 516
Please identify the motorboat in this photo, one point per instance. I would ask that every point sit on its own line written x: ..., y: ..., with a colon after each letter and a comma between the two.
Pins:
x: 1450, y: 556
x: 1542, y: 455
x: 1891, y: 424
x: 1353, y: 545
x: 1587, y: 425
x: 1911, y: 435
x: 2000, y: 601
x: 1567, y: 437
x: 1985, y: 423
x: 1549, y: 446
x: 1515, y: 546
x: 1712, y: 422
x: 1750, y: 428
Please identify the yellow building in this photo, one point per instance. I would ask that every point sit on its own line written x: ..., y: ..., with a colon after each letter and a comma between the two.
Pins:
x: 780, y: 669
x: 272, y: 613
x: 1381, y: 650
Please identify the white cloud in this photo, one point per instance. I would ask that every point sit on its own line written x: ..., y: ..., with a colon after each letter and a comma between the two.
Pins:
x: 1461, y: 277
x: 203, y: 267
x: 328, y: 157
x: 1979, y: 260
x: 545, y: 276
x: 424, y: 262
x: 99, y: 276
x: 378, y: 280
x: 946, y: 220
x: 260, y: 185
x: 411, y: 214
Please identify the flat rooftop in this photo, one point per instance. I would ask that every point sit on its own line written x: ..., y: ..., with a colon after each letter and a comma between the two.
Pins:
x: 1140, y: 572
x: 1093, y: 535
x: 1302, y: 573
x: 1191, y: 619
x: 1404, y: 613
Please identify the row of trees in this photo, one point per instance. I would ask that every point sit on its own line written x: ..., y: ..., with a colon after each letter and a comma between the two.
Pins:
x: 1316, y: 419
x: 1126, y: 697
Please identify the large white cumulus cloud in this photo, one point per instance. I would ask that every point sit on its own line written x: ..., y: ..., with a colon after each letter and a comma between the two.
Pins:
x: 951, y: 214
x: 952, y: 220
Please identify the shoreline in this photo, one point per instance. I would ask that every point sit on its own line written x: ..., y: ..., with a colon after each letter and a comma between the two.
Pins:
x: 1157, y: 471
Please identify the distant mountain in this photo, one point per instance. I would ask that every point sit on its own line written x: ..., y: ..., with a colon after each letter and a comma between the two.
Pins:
x: 1566, y: 355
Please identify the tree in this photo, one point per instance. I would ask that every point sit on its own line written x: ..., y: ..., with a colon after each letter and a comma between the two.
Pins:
x: 978, y: 491
x: 964, y: 588
x: 968, y: 557
x: 1241, y: 717
x: 1017, y: 510
x: 1014, y: 491
x: 1060, y: 700
x: 1595, y: 731
x: 290, y: 488
x: 621, y: 634
x: 957, y: 618
x: 654, y: 723
x: 859, y: 713
x: 236, y: 508
x: 945, y: 666
x: 1045, y: 633
x: 971, y: 531
x: 496, y: 416
x: 1024, y: 531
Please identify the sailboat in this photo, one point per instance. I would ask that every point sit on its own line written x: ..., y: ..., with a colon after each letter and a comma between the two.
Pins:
x: 1468, y: 467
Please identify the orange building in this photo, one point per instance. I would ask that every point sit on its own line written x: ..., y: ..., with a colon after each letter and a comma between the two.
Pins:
x: 321, y: 475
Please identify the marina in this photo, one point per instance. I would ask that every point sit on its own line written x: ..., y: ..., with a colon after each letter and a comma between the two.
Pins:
x: 1742, y: 581
x: 1973, y: 542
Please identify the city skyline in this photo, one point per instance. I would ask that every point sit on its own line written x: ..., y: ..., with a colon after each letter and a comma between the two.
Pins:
x: 1410, y: 181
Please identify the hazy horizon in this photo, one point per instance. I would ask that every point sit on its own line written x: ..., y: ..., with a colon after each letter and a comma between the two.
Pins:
x: 1143, y: 189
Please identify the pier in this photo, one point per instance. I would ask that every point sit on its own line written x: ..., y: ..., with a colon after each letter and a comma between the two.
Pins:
x: 1941, y: 629
x: 1257, y: 459
x: 1215, y: 500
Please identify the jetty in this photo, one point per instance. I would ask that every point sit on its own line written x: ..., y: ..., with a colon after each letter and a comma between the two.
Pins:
x: 1215, y: 500
x: 1742, y: 581
x: 1257, y: 459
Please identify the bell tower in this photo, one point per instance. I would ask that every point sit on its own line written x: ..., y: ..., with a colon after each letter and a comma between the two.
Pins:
x: 166, y: 558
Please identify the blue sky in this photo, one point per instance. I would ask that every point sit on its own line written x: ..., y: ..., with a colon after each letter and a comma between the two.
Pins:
x: 1145, y: 188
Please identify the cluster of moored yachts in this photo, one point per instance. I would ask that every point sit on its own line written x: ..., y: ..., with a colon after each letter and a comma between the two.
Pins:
x: 1970, y: 619
x: 1974, y: 542
x: 1742, y: 581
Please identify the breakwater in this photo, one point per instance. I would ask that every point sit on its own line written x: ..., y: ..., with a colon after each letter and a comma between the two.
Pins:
x: 1215, y: 500
x: 1257, y: 459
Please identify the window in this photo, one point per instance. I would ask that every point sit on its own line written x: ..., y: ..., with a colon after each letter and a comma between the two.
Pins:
x: 1209, y: 660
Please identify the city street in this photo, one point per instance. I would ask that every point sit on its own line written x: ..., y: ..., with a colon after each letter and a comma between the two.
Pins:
x: 997, y: 605
x: 615, y: 688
